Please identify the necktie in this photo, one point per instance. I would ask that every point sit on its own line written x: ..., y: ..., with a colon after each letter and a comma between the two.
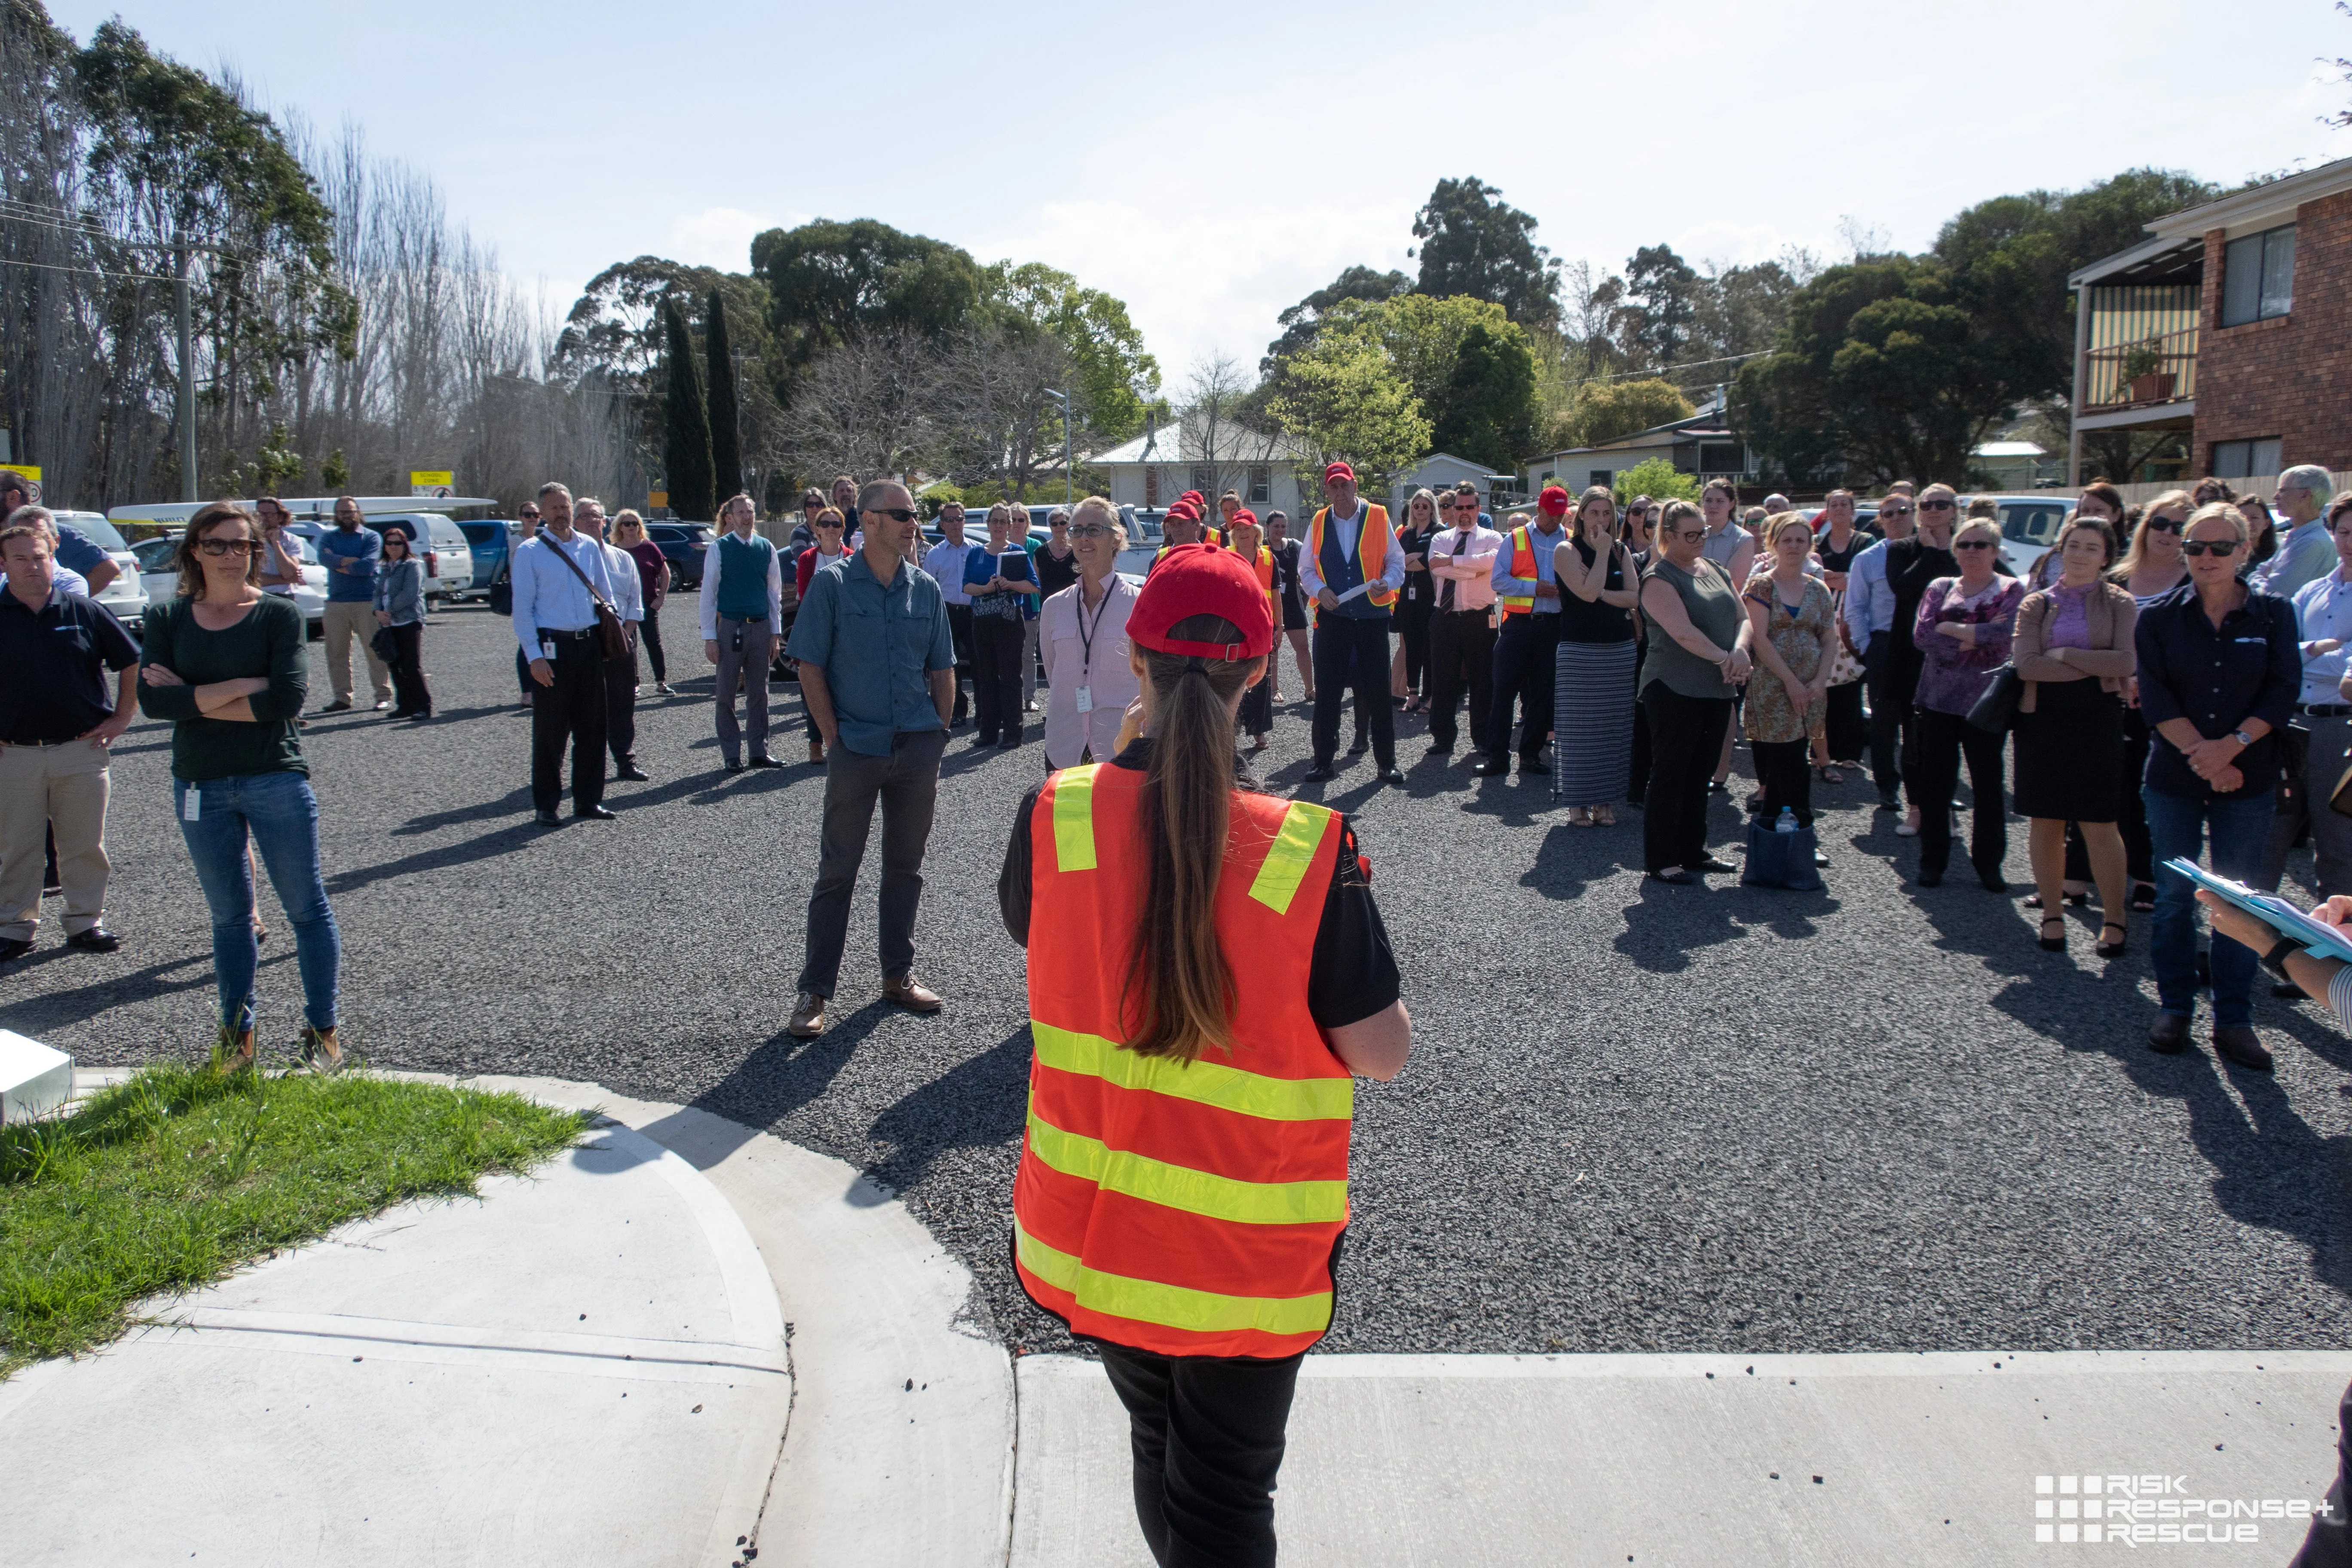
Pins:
x: 1461, y: 537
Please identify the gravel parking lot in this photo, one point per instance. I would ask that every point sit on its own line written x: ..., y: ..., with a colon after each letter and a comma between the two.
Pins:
x: 1637, y: 1118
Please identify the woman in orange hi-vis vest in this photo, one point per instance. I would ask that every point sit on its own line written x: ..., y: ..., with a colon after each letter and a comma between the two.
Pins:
x: 1208, y: 971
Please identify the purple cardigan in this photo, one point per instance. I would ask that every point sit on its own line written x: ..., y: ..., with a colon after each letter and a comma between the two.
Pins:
x: 1955, y: 675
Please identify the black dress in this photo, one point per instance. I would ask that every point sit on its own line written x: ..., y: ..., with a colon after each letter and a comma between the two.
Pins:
x: 2070, y: 753
x: 1414, y: 606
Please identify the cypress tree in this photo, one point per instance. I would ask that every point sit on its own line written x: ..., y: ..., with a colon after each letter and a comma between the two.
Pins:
x: 726, y: 441
x: 686, y: 436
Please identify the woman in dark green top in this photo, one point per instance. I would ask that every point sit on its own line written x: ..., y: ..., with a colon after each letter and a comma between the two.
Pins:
x: 1698, y: 652
x: 225, y: 663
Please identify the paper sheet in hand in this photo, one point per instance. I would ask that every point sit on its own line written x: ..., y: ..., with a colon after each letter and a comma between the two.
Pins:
x: 2316, y: 936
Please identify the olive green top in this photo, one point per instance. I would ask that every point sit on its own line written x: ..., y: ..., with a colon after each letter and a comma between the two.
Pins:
x: 269, y: 641
x: 1712, y: 605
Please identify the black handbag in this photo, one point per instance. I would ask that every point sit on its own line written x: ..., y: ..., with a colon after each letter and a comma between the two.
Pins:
x: 382, y: 645
x: 2293, y: 756
x: 1995, y: 713
x: 1776, y: 859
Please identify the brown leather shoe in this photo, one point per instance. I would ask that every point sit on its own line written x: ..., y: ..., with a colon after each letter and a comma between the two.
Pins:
x: 910, y: 993
x: 808, y: 1017
x: 2243, y: 1046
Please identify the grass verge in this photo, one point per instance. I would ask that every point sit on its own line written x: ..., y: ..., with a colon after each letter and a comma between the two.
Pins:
x: 175, y: 1178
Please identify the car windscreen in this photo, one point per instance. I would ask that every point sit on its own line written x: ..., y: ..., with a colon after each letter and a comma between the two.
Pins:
x: 2032, y: 523
x: 483, y: 532
x: 94, y: 527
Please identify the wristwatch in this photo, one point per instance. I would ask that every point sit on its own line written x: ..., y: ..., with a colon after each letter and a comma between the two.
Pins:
x: 2241, y: 737
x: 2275, y: 958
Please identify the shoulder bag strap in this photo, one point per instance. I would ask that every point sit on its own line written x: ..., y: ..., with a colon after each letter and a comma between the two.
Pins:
x: 566, y: 556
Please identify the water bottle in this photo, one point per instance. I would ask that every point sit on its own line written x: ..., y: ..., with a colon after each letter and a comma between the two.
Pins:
x: 1786, y: 823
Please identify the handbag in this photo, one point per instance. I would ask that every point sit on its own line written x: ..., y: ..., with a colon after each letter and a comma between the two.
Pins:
x: 2293, y: 756
x: 382, y: 645
x: 2340, y: 797
x: 1782, y: 861
x: 1995, y: 713
x: 611, y: 637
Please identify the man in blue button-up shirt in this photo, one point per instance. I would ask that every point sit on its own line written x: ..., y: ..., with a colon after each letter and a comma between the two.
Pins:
x: 877, y: 671
x: 350, y: 550
x: 555, y: 622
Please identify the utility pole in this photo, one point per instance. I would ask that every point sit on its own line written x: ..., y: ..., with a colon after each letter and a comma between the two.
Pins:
x: 1069, y: 470
x: 187, y: 387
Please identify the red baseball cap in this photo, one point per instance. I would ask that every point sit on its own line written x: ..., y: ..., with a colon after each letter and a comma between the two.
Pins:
x: 1201, y: 580
x: 1195, y: 496
x: 1241, y: 514
x: 1338, y: 471
x: 1554, y: 502
x: 1183, y: 507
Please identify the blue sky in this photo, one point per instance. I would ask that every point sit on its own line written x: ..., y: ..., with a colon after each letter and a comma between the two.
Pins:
x: 1211, y: 164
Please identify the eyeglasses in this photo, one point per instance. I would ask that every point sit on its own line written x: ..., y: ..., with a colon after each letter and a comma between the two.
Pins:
x: 895, y: 513
x: 2222, y: 547
x: 2161, y: 524
x: 1090, y: 530
x: 1894, y: 511
x: 227, y: 546
x: 1973, y: 544
x: 1938, y: 505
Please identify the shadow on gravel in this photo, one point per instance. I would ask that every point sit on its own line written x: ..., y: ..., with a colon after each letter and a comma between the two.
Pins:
x: 54, y: 1009
x: 514, y: 800
x: 978, y: 1104
x: 2272, y: 1168
x: 1666, y: 923
x: 784, y: 1074
x: 489, y: 846
x: 1571, y: 859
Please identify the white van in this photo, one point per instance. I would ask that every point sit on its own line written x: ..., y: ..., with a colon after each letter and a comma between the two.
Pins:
x: 447, y: 553
x: 449, y: 558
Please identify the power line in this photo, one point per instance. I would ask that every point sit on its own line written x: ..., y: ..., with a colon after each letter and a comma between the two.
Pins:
x: 92, y: 271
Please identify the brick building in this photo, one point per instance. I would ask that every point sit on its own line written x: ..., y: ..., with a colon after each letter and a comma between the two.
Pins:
x: 2232, y: 326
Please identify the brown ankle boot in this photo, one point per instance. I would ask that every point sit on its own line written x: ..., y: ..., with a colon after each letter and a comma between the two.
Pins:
x: 232, y: 1053
x: 320, y: 1053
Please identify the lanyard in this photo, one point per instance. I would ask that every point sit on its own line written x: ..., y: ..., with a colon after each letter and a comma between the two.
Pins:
x: 1087, y: 633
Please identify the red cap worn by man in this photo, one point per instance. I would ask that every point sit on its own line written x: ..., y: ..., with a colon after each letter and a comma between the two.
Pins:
x: 1553, y: 500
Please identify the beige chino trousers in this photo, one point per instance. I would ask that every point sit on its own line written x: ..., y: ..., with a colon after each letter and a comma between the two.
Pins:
x: 345, y: 622
x: 65, y: 786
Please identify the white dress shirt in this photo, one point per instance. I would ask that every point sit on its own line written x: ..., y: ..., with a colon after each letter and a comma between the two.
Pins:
x: 1472, y: 572
x: 944, y: 560
x: 547, y: 595
x: 628, y: 591
x: 1347, y: 529
x: 2323, y: 609
x: 709, y: 601
x: 1066, y: 630
x: 1544, y: 544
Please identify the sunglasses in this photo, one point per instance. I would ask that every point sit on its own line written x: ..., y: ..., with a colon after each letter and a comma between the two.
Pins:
x: 2162, y: 524
x: 1894, y: 511
x: 1938, y: 505
x: 835, y: 525
x: 895, y: 513
x: 217, y: 547
x: 1973, y: 544
x: 1090, y: 530
x: 2222, y: 547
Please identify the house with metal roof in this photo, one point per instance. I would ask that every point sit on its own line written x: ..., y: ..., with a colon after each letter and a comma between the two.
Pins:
x: 1703, y: 444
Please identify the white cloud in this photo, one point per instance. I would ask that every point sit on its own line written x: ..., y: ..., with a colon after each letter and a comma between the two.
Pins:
x: 721, y: 236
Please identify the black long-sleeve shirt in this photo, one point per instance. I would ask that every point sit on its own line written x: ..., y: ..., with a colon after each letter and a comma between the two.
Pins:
x: 2218, y: 678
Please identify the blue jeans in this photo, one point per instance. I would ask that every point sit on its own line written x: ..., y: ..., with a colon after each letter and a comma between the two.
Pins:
x: 2177, y: 826
x: 282, y: 817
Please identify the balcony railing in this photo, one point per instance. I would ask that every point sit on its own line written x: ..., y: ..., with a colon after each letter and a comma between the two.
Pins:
x: 2160, y: 368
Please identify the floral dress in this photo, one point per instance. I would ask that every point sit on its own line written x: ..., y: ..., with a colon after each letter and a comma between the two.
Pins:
x: 1803, y: 641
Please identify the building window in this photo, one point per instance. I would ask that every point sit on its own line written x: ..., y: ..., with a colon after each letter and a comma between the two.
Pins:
x: 2258, y: 458
x: 1151, y: 486
x: 1205, y: 481
x: 1261, y: 485
x: 1600, y: 477
x: 2258, y: 276
x: 1718, y: 458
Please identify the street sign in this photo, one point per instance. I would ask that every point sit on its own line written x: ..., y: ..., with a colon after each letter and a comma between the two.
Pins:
x: 30, y: 471
x: 657, y: 497
x: 438, y: 483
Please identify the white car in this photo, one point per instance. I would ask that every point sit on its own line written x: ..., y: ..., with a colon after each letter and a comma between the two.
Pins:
x: 159, y: 580
x: 122, y: 596
x: 447, y: 553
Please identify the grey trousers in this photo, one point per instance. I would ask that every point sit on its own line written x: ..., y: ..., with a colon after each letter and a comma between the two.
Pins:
x: 746, y: 666
x: 906, y: 784
x: 1029, y: 663
x: 2331, y: 831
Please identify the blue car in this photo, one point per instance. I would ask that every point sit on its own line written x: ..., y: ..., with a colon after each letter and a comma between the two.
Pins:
x: 487, y: 541
x: 684, y: 544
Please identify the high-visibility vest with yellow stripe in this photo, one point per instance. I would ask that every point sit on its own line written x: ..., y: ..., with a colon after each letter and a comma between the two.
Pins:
x: 1523, y: 567
x: 1186, y: 1210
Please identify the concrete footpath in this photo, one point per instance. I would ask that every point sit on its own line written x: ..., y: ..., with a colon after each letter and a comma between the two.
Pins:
x: 687, y: 1343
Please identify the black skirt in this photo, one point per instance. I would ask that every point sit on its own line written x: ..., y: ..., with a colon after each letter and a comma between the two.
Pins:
x: 2070, y: 753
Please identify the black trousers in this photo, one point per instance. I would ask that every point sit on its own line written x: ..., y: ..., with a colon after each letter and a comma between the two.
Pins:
x: 651, y: 637
x: 522, y: 676
x: 1461, y: 648
x: 996, y: 646
x: 621, y: 704
x: 1685, y: 739
x: 1208, y: 1434
x: 1786, y: 772
x: 2328, y: 1542
x: 409, y: 694
x: 1849, y: 731
x: 1945, y: 739
x: 1890, y: 718
x: 1353, y: 651
x: 1524, y: 672
x: 959, y: 632
x: 1413, y: 618
x: 907, y: 786
x: 572, y: 709
x: 1637, y: 779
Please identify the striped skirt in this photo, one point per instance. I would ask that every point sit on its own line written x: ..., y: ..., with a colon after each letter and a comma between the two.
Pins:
x: 1592, y: 717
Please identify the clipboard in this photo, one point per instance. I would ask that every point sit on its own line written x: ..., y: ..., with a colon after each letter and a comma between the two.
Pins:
x: 2316, y: 937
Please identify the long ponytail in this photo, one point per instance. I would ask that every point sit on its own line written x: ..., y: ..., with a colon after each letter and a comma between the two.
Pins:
x: 1180, y: 987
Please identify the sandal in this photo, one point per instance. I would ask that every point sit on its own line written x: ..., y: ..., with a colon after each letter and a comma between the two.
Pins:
x: 1603, y: 816
x: 2072, y: 900
x: 1827, y: 774
x: 2143, y: 897
x: 2049, y: 942
x: 1579, y: 817
x: 2115, y: 948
